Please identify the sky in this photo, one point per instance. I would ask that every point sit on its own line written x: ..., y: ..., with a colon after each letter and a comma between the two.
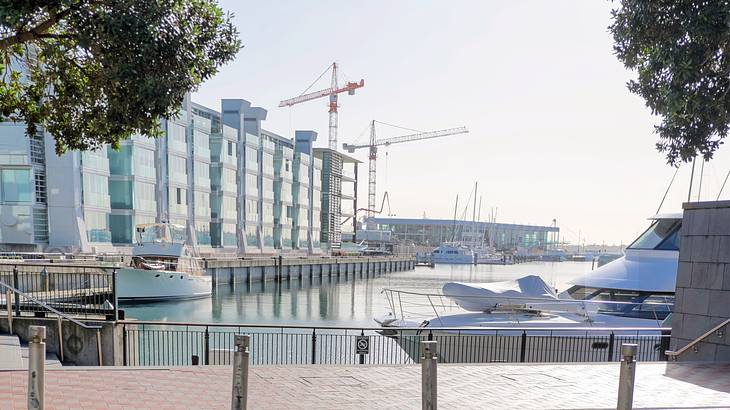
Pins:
x: 554, y: 133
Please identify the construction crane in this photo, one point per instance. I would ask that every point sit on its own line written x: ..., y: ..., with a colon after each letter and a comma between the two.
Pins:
x: 375, y: 143
x: 334, y: 89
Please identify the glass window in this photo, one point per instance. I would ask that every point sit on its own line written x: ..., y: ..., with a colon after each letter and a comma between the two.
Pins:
x: 97, y: 226
x: 202, y: 173
x: 144, y: 162
x: 229, y: 180
x: 656, y: 234
x: 120, y: 162
x: 17, y: 185
x: 229, y: 207
x: 144, y: 197
x: 178, y: 169
x: 252, y: 210
x: 120, y: 193
x: 252, y: 160
x: 228, y: 235
x: 252, y: 188
x: 202, y: 204
x: 202, y: 232
x: 121, y: 228
x: 96, y: 190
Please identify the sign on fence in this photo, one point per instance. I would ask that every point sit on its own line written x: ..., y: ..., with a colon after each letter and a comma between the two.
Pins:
x: 362, y: 345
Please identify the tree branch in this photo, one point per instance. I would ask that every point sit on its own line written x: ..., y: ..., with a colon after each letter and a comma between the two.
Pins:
x: 39, y: 31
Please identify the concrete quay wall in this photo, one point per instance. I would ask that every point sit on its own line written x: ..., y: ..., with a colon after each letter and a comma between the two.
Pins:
x: 238, y: 270
x: 703, y: 282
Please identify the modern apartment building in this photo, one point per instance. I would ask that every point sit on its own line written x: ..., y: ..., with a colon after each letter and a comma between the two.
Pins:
x: 235, y: 187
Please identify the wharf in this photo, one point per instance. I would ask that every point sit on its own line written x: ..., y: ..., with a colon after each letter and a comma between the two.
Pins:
x: 247, y: 270
x: 487, y: 386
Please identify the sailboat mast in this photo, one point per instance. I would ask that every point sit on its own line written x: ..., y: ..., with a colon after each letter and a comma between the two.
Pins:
x: 453, y: 230
x: 479, y: 220
x: 474, y: 217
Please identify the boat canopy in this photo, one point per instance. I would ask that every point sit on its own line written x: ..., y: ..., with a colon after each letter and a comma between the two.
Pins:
x: 481, y: 297
x: 161, y: 233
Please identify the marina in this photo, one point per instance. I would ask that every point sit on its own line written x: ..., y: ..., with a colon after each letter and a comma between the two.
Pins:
x: 463, y: 232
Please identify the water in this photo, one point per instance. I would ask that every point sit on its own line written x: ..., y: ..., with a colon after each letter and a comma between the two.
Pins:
x: 342, y: 302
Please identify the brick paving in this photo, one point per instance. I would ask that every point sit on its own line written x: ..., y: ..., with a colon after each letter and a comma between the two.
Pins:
x: 493, y: 386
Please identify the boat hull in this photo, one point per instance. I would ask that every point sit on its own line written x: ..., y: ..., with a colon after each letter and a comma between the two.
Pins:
x: 511, y: 347
x: 140, y: 285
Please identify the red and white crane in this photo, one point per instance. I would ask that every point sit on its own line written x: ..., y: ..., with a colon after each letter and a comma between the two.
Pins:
x: 332, y: 92
x: 375, y: 143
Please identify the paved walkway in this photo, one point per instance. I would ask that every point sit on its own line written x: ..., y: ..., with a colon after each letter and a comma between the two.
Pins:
x: 497, y: 386
x: 10, y: 352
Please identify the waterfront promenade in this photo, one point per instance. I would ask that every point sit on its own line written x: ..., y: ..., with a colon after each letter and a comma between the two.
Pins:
x: 486, y: 386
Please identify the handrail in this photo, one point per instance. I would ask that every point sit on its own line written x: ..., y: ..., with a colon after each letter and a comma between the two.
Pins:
x: 46, y: 306
x: 534, y: 301
x: 33, y: 263
x: 386, y: 328
x: 691, y: 344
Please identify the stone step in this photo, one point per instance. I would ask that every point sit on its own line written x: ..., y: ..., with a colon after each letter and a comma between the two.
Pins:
x: 10, y: 353
x: 51, y: 358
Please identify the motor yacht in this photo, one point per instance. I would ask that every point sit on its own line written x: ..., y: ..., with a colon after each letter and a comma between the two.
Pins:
x: 162, y: 267
x: 451, y: 253
x: 632, y: 292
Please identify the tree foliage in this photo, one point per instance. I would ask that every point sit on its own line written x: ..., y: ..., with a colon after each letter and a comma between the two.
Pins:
x: 94, y: 72
x: 681, y: 52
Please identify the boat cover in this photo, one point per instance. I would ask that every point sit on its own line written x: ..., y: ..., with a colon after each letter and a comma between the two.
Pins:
x: 480, y: 297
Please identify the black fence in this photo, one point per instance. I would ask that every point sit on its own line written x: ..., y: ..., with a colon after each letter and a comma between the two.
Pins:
x: 78, y: 290
x: 180, y: 344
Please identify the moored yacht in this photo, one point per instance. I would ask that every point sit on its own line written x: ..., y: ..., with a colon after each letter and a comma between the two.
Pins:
x: 162, y: 267
x: 452, y: 253
x: 634, y: 291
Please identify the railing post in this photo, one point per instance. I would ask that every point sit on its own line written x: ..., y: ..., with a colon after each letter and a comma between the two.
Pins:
x: 314, y: 346
x: 611, y: 341
x: 36, y: 367
x: 124, y: 345
x: 115, y: 299
x: 428, y: 375
x: 239, y: 392
x: 16, y: 286
x: 98, y: 347
x: 206, y: 354
x: 9, y: 308
x: 523, y: 346
x: 362, y: 356
x: 627, y: 376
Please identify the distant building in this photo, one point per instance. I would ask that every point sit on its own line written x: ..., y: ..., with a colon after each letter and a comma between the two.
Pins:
x: 339, y: 196
x: 432, y: 232
x: 237, y: 188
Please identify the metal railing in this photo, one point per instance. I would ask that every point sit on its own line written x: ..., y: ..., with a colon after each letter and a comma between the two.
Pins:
x: 693, y: 344
x: 11, y: 294
x: 151, y: 343
x: 80, y: 290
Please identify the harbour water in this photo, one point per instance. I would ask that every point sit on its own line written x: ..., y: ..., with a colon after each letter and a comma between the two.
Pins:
x: 338, y: 301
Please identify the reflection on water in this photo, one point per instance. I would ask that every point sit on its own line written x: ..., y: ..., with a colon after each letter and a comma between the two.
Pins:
x: 338, y: 301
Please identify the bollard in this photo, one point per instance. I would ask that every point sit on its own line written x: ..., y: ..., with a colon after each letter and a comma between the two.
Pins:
x: 239, y: 392
x: 36, y: 366
x: 428, y: 374
x: 627, y: 377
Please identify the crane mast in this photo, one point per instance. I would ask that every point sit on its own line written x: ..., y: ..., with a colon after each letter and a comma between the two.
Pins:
x: 332, y: 92
x: 373, y: 146
x: 371, y: 170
